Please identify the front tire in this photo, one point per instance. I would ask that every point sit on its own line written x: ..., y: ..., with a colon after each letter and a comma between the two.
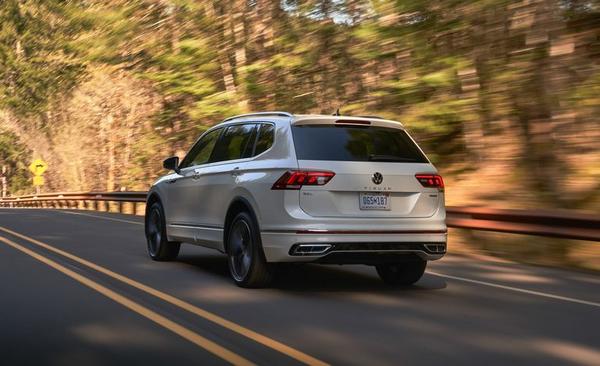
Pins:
x: 159, y: 248
x: 247, y: 263
x: 402, y: 274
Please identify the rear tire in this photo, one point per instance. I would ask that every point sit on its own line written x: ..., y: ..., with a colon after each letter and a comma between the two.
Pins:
x: 402, y: 274
x: 159, y: 248
x: 247, y: 263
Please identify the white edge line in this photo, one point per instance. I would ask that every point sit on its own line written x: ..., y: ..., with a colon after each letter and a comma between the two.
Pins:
x: 101, y: 217
x: 516, y: 289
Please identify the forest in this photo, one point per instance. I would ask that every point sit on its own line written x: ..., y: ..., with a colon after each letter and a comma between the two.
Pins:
x: 503, y: 95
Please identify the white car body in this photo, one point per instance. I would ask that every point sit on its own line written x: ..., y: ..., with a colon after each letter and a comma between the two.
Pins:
x: 325, y: 219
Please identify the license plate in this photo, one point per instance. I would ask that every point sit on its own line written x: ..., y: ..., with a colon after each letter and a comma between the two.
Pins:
x: 374, y: 201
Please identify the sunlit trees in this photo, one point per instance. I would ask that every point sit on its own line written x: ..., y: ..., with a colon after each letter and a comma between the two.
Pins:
x: 500, y: 88
x: 35, y: 62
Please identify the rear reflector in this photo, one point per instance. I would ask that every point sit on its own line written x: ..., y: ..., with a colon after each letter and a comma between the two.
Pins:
x: 431, y: 181
x: 295, y: 179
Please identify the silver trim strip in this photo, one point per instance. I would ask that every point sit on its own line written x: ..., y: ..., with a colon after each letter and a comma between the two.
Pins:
x: 197, y: 227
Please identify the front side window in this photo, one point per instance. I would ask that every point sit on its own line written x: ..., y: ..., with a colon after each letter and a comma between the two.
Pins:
x: 236, y: 143
x: 200, y: 153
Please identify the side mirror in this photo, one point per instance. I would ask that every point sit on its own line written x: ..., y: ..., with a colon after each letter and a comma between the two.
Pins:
x: 171, y: 163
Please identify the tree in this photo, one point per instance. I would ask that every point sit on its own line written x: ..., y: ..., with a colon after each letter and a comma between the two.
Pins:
x: 35, y: 62
x: 14, y: 158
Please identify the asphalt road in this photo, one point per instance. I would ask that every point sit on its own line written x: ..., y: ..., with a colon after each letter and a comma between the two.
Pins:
x: 77, y: 288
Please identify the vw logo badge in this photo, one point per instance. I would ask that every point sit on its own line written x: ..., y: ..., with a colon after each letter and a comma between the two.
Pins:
x: 377, y: 178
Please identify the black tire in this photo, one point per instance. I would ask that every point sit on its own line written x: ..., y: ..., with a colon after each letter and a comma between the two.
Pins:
x: 159, y: 248
x: 246, y: 259
x: 402, y: 274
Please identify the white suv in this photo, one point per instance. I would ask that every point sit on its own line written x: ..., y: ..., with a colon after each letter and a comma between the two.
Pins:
x: 268, y: 188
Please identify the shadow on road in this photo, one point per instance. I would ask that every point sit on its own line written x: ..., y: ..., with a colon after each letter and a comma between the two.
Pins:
x: 311, y: 277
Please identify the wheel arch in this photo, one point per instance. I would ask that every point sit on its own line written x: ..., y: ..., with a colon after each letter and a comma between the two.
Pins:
x: 237, y: 205
x: 153, y: 197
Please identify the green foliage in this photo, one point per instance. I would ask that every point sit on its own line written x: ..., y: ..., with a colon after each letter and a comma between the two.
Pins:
x: 14, y: 156
x: 35, y: 61
x: 452, y: 71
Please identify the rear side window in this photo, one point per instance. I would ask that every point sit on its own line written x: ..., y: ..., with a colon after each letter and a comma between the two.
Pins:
x: 234, y: 143
x: 355, y: 143
x: 266, y: 135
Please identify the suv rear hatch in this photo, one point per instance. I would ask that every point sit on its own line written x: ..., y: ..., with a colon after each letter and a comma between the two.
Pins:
x: 374, y: 166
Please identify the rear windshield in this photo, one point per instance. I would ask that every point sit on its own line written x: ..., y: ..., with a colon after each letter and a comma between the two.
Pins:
x: 355, y: 143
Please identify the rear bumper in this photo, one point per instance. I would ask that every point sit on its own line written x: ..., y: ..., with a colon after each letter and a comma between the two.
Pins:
x: 350, y: 247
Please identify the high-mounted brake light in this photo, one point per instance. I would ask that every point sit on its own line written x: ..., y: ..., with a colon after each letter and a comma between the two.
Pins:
x: 431, y: 181
x: 295, y: 179
x: 353, y: 122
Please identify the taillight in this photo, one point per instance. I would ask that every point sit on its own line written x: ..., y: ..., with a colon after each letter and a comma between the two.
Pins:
x: 295, y: 179
x: 431, y: 181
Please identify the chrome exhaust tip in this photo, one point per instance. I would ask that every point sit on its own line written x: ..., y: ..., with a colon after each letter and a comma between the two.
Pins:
x: 310, y: 249
x: 435, y: 248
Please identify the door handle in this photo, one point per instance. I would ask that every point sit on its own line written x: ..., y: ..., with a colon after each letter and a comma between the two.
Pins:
x: 235, y: 171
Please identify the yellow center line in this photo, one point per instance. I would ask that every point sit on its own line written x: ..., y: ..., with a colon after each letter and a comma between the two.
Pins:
x: 248, y: 333
x: 182, y: 331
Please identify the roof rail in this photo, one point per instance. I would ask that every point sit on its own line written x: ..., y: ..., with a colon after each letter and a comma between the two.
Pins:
x: 275, y: 113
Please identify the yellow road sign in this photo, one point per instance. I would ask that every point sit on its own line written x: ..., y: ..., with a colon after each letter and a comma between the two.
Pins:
x: 38, y: 167
x: 38, y: 180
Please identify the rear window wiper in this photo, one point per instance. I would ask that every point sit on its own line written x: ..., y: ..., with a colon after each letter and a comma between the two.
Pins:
x: 391, y: 158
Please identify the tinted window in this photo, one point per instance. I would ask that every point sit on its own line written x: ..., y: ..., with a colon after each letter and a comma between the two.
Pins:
x: 355, y: 143
x: 234, y: 142
x: 265, y: 138
x: 201, y: 152
x: 250, y: 144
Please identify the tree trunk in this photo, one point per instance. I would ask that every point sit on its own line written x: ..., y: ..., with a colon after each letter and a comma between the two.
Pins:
x: 224, y: 45
x: 112, y: 141
x: 239, y: 33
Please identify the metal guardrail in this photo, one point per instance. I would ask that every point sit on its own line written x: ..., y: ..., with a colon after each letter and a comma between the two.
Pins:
x: 97, y: 201
x: 558, y: 224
